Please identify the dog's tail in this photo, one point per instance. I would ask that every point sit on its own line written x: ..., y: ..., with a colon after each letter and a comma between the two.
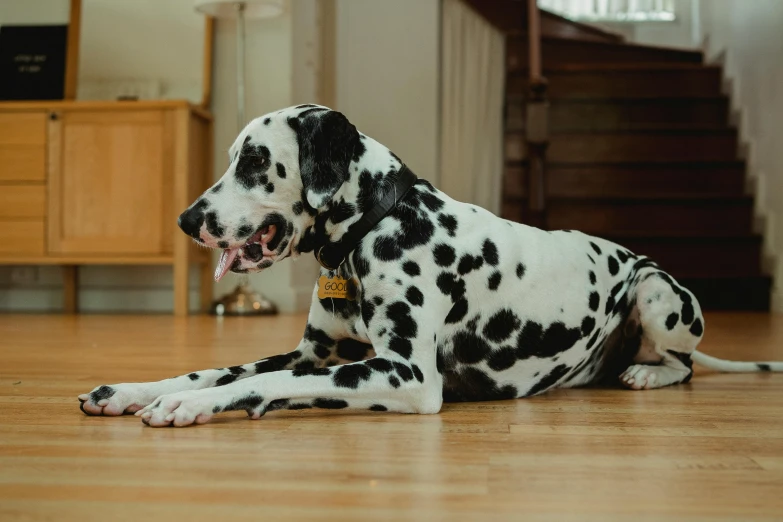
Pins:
x: 723, y: 365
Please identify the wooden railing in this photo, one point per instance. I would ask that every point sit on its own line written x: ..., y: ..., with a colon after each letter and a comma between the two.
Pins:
x: 537, y: 128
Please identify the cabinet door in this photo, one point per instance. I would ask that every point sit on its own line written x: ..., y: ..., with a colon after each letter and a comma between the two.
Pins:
x: 107, y: 176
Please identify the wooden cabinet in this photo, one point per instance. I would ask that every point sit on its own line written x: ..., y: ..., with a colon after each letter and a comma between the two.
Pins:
x: 102, y: 183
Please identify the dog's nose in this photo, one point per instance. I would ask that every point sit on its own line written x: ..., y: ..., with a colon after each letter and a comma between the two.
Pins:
x: 191, y: 220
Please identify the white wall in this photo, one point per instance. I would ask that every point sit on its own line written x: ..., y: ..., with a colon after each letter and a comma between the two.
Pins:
x: 387, y: 75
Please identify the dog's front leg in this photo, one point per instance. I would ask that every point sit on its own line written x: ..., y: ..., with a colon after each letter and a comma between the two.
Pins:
x: 402, y: 378
x: 118, y: 399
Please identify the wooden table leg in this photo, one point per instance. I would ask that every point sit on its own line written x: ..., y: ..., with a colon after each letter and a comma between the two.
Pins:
x: 181, y: 276
x: 70, y: 289
x: 207, y: 283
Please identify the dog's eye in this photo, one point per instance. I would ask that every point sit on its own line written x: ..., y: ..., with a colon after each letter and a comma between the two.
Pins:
x: 260, y: 162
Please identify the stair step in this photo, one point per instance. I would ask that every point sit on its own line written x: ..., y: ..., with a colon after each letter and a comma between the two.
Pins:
x: 630, y: 179
x: 560, y: 51
x: 694, y: 81
x: 636, y: 146
x: 700, y: 256
x: 652, y: 216
x: 731, y: 293
x: 628, y: 113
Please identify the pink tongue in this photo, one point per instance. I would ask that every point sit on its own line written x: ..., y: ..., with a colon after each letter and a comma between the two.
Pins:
x: 226, y: 260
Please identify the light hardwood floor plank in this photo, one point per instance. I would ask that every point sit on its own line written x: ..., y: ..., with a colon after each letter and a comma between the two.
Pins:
x: 710, y: 450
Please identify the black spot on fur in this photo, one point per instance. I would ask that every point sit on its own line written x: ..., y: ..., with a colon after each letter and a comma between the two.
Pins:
x: 549, y: 379
x: 394, y: 381
x: 469, y: 348
x: 687, y: 311
x: 595, y: 247
x: 622, y: 256
x: 281, y: 170
x: 213, y: 225
x: 401, y: 346
x: 448, y: 222
x: 763, y: 367
x: 501, y: 325
x: 466, y: 264
x: 444, y: 255
x: 297, y: 208
x: 404, y: 325
x: 342, y: 211
x: 471, y: 384
x: 378, y: 407
x: 237, y: 370
x: 494, y: 281
x: 299, y: 406
x: 379, y: 365
x: 330, y: 404
x: 614, y: 266
x: 322, y: 351
x: 193, y: 376
x: 417, y: 373
x: 697, y: 328
x: 588, y: 323
x: 404, y: 371
x: 223, y: 244
x: 490, y: 252
x: 386, y: 248
x: 411, y: 268
x: 352, y: 350
x: 672, y: 320
x: 592, y: 277
x: 414, y: 296
x: 301, y: 372
x: 247, y: 403
x: 244, y: 231
x: 534, y: 341
x: 276, y: 362
x: 267, y: 120
x: 502, y: 359
x: 226, y: 379
x: 104, y: 392
x: 350, y: 375
x: 458, y: 311
x: 520, y: 270
x: 217, y: 188
x: 595, y: 301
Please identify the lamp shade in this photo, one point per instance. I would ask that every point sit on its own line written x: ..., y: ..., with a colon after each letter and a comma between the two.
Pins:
x: 253, y: 8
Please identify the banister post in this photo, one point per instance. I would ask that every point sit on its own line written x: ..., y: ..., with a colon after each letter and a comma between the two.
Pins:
x: 537, y: 125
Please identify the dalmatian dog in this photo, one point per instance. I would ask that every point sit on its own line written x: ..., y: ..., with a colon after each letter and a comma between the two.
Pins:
x: 450, y: 302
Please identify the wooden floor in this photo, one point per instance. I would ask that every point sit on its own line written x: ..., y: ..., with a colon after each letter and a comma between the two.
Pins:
x: 711, y: 450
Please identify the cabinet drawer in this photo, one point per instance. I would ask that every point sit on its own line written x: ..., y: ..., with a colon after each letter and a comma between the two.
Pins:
x: 22, y: 163
x: 23, y: 128
x: 22, y: 201
x: 21, y: 237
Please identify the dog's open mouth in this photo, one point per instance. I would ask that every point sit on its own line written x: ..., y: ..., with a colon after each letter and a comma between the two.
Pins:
x: 254, y: 248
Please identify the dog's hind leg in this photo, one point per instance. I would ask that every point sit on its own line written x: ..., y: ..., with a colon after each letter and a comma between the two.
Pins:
x: 670, y: 325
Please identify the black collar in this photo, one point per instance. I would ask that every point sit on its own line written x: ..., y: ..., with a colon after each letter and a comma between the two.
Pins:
x: 332, y: 255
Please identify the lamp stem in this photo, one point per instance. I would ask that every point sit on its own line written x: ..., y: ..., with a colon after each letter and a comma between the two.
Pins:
x: 240, y: 6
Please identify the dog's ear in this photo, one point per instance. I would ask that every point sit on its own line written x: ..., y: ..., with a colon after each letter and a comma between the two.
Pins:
x: 327, y: 142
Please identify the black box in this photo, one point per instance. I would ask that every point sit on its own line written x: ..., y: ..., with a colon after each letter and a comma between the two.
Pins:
x: 32, y: 62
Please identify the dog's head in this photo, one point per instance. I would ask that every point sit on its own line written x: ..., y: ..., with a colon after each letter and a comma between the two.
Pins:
x: 284, y: 169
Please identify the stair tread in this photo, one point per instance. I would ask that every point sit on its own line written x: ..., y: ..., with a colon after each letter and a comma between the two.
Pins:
x: 695, y: 55
x: 662, y: 131
x: 621, y: 67
x: 685, y: 236
x: 633, y: 199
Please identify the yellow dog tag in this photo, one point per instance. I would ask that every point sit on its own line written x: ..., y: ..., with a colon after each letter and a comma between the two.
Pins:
x: 336, y: 288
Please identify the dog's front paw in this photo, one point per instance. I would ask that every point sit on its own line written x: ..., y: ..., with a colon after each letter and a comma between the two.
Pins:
x: 117, y: 399
x: 639, y: 377
x: 178, y: 409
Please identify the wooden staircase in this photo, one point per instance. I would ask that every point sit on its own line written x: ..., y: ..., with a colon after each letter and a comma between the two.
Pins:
x: 640, y: 152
